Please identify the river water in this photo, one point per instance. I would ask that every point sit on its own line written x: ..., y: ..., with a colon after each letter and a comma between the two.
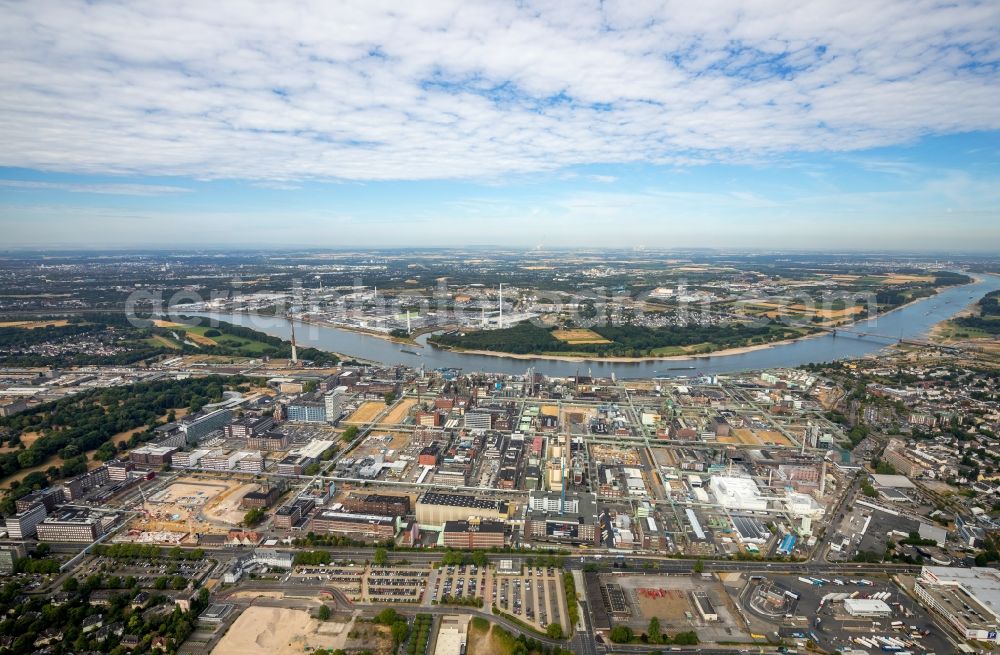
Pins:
x: 911, y: 322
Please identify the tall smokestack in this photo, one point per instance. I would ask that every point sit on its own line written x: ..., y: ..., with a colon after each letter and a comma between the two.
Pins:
x: 501, y: 305
x: 295, y: 352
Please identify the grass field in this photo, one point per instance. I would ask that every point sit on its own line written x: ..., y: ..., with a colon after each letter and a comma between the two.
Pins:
x: 157, y: 340
x: 579, y: 336
x: 196, y: 334
x: 950, y: 331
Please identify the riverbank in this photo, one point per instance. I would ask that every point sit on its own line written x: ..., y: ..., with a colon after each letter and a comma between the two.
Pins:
x: 723, y: 352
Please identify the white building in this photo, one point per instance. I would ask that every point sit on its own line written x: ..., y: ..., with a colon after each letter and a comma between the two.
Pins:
x: 867, y: 608
x: 800, y: 505
x: 737, y: 494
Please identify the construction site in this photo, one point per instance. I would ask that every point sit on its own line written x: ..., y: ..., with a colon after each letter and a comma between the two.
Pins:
x: 188, y: 508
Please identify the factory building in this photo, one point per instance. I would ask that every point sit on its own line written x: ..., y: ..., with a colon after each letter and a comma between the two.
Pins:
x: 737, y: 493
x: 435, y: 508
x: 474, y: 533
x: 378, y: 504
x: 249, y: 426
x: 704, y: 606
x: 356, y: 526
x: 549, y: 518
x: 270, y: 441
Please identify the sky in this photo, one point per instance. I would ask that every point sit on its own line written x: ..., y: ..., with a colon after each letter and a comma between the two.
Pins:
x: 762, y: 124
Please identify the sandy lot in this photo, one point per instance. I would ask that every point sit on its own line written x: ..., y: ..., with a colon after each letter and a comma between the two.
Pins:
x: 399, y: 412
x: 160, y: 323
x: 226, y: 507
x: 366, y: 412
x: 277, y: 631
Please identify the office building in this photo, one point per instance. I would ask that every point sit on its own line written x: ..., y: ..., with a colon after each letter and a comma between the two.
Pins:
x: 308, y: 408
x: 119, y: 469
x: 574, y: 521
x: 23, y: 524
x: 197, y: 427
x: 9, y: 554
x: 71, y: 525
x: 333, y: 403
x: 49, y: 496
x: 151, y: 455
x: 75, y: 488
x: 248, y: 426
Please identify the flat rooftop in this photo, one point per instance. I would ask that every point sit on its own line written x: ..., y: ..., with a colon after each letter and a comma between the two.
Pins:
x: 460, y: 500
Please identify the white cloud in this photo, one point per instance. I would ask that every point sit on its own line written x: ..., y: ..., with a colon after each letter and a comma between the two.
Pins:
x: 103, y: 189
x: 371, y: 90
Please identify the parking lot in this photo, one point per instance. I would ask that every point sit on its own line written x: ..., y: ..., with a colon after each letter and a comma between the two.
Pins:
x: 817, y: 613
x: 396, y: 584
x: 535, y: 597
x: 461, y: 582
x: 146, y: 572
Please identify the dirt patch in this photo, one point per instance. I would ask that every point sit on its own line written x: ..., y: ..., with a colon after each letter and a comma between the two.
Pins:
x: 666, y: 604
x: 482, y: 642
x: 166, y: 324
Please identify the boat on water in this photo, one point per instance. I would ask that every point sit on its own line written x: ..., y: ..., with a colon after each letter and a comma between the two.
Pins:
x: 410, y: 352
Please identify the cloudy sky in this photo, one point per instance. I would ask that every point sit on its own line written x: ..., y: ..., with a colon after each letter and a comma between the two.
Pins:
x: 770, y: 123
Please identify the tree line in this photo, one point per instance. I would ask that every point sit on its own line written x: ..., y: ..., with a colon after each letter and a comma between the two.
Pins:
x: 626, y: 340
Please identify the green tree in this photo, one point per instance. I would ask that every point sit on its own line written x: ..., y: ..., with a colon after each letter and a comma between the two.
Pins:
x: 699, y: 566
x: 621, y: 634
x: 554, y: 631
x: 381, y: 557
x: 324, y: 613
x: 653, y: 631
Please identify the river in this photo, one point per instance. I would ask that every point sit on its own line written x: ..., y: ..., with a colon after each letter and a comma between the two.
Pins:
x: 913, y: 321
